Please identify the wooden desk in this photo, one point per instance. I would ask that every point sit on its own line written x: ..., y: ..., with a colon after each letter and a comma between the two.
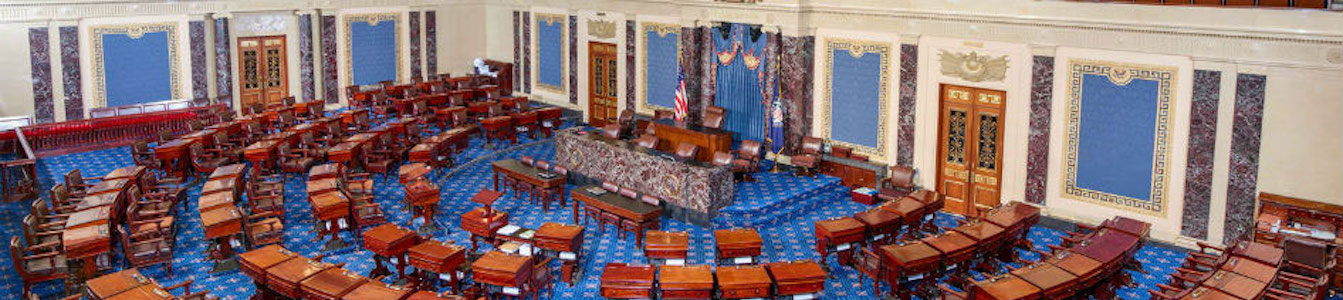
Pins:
x: 379, y: 291
x: 908, y: 260
x: 132, y: 173
x: 989, y: 238
x: 109, y: 186
x: 427, y: 295
x: 1086, y: 269
x: 1054, y: 282
x: 516, y: 170
x: 284, y: 278
x: 89, y: 217
x: 667, y: 245
x: 144, y: 292
x: 853, y: 173
x: 228, y: 185
x: 330, y: 206
x: 838, y: 235
x: 229, y: 171
x: 116, y: 283
x: 504, y: 270
x: 567, y: 240
x: 686, y: 282
x: 737, y: 243
x: 1263, y: 253
x: 412, y: 172
x: 483, y: 223
x: 628, y: 209
x: 173, y: 154
x: 1236, y: 285
x: 422, y: 196
x: 956, y: 249
x: 88, y: 244
x: 1250, y: 268
x: 389, y: 241
x: 439, y: 258
x: 1005, y: 288
x: 254, y: 263
x: 325, y: 171
x: 880, y: 225
x: 708, y: 140
x: 620, y: 281
x: 214, y: 201
x: 797, y: 278
x: 1205, y: 293
x: 1107, y: 246
x: 109, y: 200
x: 221, y: 224
x: 262, y: 153
x: 1015, y: 217
x: 1319, y: 221
x: 330, y: 284
x: 744, y: 282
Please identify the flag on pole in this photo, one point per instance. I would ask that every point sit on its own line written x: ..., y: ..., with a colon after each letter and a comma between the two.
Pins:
x: 681, y: 105
x: 776, y: 134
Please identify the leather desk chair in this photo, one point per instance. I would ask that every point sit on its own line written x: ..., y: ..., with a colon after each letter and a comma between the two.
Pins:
x: 898, y: 182
x: 626, y: 120
x: 647, y: 141
x: 748, y: 158
x: 809, y: 157
x: 611, y: 131
x: 713, y: 117
x: 687, y: 151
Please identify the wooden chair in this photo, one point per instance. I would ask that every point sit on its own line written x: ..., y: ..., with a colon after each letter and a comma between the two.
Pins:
x: 808, y: 157
x: 150, y: 222
x: 143, y: 156
x: 687, y: 151
x: 254, y: 131
x: 77, y: 184
x: 869, y: 265
x: 164, y: 136
x: 43, y: 216
x: 647, y: 141
x: 611, y: 131
x: 36, y: 233
x: 899, y: 181
x: 366, y: 213
x: 748, y: 159
x: 230, y: 148
x: 188, y: 295
x: 542, y: 278
x: 37, y: 263
x: 205, y: 161
x: 264, y: 229
x: 61, y: 202
x: 145, y: 249
x: 334, y: 134
x: 165, y: 206
x: 525, y: 122
x: 293, y: 161
x: 376, y: 161
x: 266, y: 197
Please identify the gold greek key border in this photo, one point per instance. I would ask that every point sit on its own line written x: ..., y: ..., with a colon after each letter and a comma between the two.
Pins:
x: 135, y: 31
x: 551, y: 19
x: 372, y: 19
x: 1121, y: 74
x: 858, y: 48
x: 662, y: 30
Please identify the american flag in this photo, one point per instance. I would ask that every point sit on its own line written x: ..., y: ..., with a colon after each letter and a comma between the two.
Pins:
x: 681, y: 105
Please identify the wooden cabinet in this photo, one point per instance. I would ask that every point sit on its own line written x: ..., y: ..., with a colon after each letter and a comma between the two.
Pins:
x: 853, y: 173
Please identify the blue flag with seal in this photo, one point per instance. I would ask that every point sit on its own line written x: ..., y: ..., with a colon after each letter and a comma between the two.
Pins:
x: 776, y: 120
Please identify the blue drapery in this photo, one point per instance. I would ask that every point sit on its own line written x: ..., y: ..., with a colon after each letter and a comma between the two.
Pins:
x: 740, y: 80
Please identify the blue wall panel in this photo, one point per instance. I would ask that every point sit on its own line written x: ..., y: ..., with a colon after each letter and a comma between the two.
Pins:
x: 1117, y: 136
x: 550, y: 46
x: 137, y: 70
x: 373, y: 51
x: 855, y: 95
x: 662, y: 68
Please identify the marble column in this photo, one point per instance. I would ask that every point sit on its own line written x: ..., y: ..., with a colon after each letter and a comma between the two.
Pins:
x: 630, y: 65
x: 431, y: 43
x: 70, y: 76
x: 517, y: 51
x: 573, y: 59
x: 526, y: 52
x: 1245, y: 133
x: 1202, y: 145
x: 909, y: 83
x: 40, y: 54
x: 1037, y: 142
x: 331, y: 89
x: 223, y: 62
x: 200, y: 82
x: 415, y: 70
x: 308, y: 82
x: 796, y: 79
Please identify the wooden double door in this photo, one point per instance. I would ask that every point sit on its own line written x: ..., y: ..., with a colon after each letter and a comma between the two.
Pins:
x: 603, y: 86
x: 970, y: 148
x: 263, y: 72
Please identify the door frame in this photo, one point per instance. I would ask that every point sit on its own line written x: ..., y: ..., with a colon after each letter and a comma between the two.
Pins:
x: 592, y: 84
x: 261, y: 67
x: 971, y: 149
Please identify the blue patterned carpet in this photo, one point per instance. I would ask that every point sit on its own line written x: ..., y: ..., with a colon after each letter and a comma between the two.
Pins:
x: 789, y: 237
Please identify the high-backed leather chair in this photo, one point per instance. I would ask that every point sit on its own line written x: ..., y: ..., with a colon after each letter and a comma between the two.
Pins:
x: 647, y: 141
x: 626, y: 120
x: 611, y: 131
x: 898, y: 182
x: 713, y: 117
x: 809, y: 156
x: 1309, y: 252
x: 663, y: 114
x: 687, y: 150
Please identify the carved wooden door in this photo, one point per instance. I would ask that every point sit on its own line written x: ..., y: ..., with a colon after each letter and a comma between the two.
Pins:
x: 603, y: 87
x: 263, y: 70
x: 970, y: 148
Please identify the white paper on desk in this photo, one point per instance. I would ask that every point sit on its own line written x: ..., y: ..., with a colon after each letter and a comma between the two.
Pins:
x: 528, y: 234
x: 525, y: 250
x: 447, y: 277
x: 843, y: 247
x: 342, y: 223
x: 879, y: 236
x: 1323, y: 235
x: 235, y: 243
x: 507, y: 230
x: 916, y: 277
x: 804, y: 297
x: 568, y: 255
x: 742, y: 260
x: 676, y: 262
x: 460, y: 274
x: 512, y: 291
x: 394, y: 260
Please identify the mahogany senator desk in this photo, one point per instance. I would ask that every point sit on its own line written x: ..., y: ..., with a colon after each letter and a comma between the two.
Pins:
x: 709, y: 140
x: 626, y: 208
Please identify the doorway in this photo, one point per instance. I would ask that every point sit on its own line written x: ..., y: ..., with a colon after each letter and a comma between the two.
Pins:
x: 970, y: 137
x: 263, y: 70
x: 602, y: 84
